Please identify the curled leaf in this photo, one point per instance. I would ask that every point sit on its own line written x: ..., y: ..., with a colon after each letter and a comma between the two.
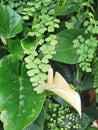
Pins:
x: 61, y: 88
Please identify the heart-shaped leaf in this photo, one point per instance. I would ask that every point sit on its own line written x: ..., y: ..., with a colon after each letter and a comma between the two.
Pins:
x: 10, y: 22
x: 19, y: 104
x: 65, y: 52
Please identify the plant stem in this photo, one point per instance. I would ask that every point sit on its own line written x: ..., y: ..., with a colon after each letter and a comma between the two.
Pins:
x: 58, y: 7
x: 63, y: 4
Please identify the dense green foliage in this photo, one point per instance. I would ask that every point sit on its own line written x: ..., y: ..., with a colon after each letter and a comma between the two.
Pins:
x: 37, y: 34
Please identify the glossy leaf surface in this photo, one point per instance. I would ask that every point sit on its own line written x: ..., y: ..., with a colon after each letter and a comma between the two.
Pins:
x: 38, y: 124
x: 19, y: 104
x: 65, y: 52
x: 10, y: 22
x: 14, y: 47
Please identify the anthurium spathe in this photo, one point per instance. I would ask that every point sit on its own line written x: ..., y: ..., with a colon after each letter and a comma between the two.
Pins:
x: 60, y: 87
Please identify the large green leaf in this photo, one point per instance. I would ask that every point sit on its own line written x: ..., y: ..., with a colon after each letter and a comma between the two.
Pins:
x: 19, y: 104
x: 65, y: 52
x: 70, y: 7
x: 14, y: 47
x: 39, y: 123
x: 10, y: 22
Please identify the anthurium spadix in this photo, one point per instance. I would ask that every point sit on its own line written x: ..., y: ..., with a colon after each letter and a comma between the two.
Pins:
x: 60, y: 87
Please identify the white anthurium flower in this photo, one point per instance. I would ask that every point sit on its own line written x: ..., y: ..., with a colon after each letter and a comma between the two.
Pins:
x: 60, y: 87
